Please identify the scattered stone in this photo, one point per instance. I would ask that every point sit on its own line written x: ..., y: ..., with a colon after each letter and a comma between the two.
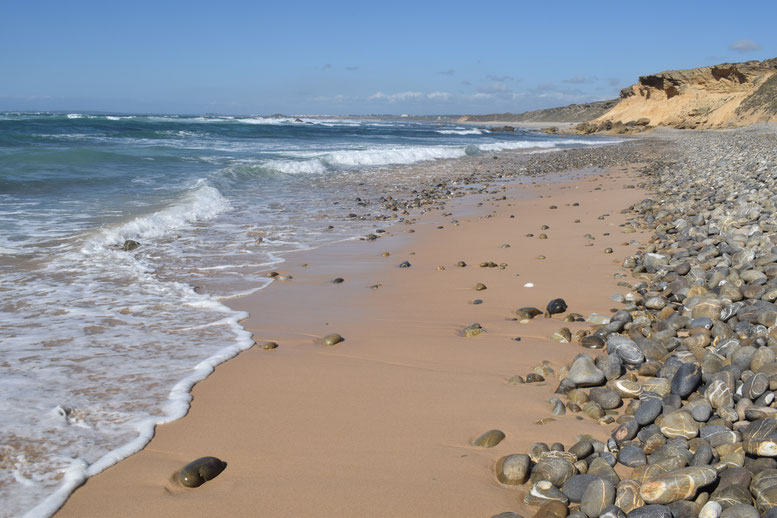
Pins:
x: 199, y: 471
x: 555, y: 307
x: 473, y: 330
x: 513, y: 469
x: 489, y: 439
x: 330, y: 340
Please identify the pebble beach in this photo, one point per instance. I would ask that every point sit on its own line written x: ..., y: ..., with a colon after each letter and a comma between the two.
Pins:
x: 587, y: 332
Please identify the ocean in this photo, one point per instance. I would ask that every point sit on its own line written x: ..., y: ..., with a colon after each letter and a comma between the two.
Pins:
x: 99, y: 344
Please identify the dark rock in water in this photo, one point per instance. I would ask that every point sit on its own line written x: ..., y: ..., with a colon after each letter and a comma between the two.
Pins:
x: 489, y: 439
x: 338, y: 280
x: 651, y: 511
x: 130, y: 245
x: 686, y: 379
x: 330, y: 340
x: 513, y: 469
x: 405, y: 264
x: 199, y: 471
x: 632, y: 456
x: 556, y: 306
x: 575, y: 486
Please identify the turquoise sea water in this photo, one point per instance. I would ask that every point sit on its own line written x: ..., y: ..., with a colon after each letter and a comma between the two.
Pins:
x: 97, y: 345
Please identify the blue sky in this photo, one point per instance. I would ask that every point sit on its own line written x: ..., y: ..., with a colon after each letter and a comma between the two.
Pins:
x: 358, y: 57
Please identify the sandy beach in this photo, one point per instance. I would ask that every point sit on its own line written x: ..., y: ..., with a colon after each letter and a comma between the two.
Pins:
x: 382, y: 424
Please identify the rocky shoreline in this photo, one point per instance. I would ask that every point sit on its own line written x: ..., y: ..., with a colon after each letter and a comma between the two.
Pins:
x: 686, y: 369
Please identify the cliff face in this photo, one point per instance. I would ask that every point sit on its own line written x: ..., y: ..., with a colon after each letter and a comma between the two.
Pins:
x: 720, y: 96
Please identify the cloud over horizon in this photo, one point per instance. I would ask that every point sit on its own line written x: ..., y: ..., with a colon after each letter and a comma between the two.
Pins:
x: 744, y: 46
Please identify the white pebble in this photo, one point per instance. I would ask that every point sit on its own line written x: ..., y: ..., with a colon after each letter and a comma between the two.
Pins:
x: 528, y: 285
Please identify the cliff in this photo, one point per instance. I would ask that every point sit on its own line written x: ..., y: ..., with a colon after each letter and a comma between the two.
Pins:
x: 720, y: 96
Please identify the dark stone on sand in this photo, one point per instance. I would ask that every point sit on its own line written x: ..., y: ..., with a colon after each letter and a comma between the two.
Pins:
x: 330, y: 340
x: 606, y: 398
x: 686, y: 379
x: 338, y: 280
x: 575, y: 486
x: 405, y: 264
x: 592, y: 342
x: 507, y: 514
x: 556, y: 306
x: 647, y: 411
x: 489, y: 439
x: 632, y: 456
x: 599, y: 495
x: 200, y: 471
x: 513, y: 469
x: 269, y: 345
x: 553, y: 469
x: 528, y: 313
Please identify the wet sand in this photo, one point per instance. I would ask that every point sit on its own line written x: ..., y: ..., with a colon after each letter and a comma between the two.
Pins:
x: 382, y: 423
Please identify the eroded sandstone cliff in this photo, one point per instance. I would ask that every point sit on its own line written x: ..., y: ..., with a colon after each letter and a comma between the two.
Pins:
x: 720, y: 96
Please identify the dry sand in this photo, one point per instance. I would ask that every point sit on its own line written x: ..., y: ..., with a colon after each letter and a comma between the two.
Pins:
x: 382, y: 424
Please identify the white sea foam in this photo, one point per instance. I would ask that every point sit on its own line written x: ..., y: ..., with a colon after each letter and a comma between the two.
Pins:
x: 314, y: 166
x: 472, y: 131
x: 202, y: 202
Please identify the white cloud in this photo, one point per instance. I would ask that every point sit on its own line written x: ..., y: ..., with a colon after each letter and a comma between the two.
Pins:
x: 439, y: 96
x: 410, y: 96
x: 744, y: 46
x: 397, y: 97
